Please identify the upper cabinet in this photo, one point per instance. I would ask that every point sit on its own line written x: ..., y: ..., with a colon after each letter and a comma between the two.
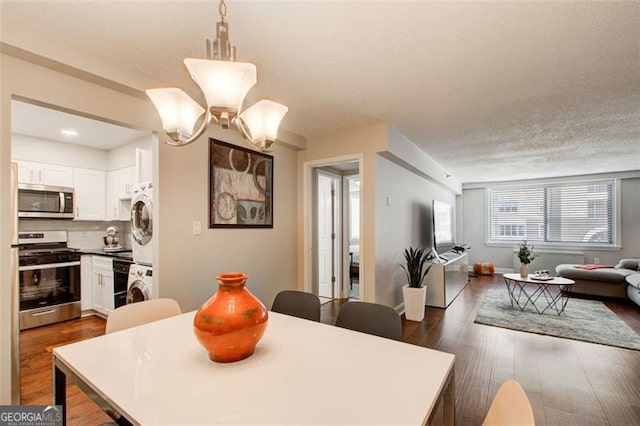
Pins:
x: 144, y: 166
x: 44, y: 174
x: 98, y: 194
x: 90, y: 189
x: 119, y: 190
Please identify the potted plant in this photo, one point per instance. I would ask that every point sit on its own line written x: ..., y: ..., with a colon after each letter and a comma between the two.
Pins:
x: 526, y: 255
x: 414, y: 293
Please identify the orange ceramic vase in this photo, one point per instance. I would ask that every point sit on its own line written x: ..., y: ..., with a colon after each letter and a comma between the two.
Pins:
x: 232, y: 321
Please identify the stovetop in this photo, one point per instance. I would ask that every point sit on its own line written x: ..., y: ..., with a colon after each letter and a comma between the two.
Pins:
x: 34, y: 251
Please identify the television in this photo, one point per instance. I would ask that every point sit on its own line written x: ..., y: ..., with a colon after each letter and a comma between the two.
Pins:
x: 443, y: 227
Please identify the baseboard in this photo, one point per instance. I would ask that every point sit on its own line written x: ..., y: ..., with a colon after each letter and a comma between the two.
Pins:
x: 496, y: 271
x: 90, y: 312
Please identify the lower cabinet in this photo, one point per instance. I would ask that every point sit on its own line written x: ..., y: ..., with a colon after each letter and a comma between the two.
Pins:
x: 102, y: 284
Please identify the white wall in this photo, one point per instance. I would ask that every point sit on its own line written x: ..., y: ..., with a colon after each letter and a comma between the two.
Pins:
x: 125, y: 155
x: 361, y: 143
x: 65, y: 154
x: 190, y: 262
x: 475, y: 228
x: 52, y: 152
x: 392, y: 166
x: 403, y: 221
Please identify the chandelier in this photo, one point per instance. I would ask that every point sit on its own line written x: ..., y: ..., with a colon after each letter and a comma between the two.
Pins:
x: 225, y: 83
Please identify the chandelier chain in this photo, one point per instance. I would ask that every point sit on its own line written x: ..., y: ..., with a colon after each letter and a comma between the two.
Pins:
x: 222, y: 9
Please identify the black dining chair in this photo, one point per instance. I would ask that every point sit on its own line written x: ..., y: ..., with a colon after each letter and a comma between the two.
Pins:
x: 298, y: 304
x: 370, y: 318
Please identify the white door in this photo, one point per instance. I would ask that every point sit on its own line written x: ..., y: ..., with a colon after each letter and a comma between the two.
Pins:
x: 327, y: 231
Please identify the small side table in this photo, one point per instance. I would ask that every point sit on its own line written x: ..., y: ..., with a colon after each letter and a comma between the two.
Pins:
x: 548, y: 293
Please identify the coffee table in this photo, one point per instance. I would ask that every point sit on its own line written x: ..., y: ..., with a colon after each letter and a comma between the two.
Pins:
x: 542, y: 294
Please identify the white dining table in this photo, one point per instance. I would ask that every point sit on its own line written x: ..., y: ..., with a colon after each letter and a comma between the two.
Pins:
x: 302, y: 372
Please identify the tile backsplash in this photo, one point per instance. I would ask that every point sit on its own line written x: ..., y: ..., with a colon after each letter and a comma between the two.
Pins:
x: 80, y: 234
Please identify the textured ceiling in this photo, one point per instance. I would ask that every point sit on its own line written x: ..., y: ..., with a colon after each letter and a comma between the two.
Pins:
x: 492, y: 91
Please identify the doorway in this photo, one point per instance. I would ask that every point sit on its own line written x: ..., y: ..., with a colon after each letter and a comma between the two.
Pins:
x: 328, y: 225
x: 332, y: 260
x: 91, y: 144
x: 351, y: 213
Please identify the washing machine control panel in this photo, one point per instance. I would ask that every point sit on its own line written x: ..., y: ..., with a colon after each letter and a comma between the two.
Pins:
x: 139, y: 273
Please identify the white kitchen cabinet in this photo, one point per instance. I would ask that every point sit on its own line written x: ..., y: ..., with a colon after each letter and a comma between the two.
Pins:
x: 102, y: 291
x: 119, y: 190
x: 44, y: 174
x: 144, y: 166
x: 86, y: 282
x: 90, y: 189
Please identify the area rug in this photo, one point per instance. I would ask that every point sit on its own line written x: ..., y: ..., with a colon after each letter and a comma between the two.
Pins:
x: 586, y: 320
x: 324, y: 300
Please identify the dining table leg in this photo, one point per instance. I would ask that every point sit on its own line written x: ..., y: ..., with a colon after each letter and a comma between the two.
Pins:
x: 449, y: 400
x: 60, y: 391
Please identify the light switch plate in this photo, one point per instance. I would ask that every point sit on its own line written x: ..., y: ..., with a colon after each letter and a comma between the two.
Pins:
x: 197, y: 227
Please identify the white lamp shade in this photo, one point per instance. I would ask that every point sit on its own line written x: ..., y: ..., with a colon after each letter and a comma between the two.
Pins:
x: 224, y: 84
x: 177, y: 110
x: 263, y: 119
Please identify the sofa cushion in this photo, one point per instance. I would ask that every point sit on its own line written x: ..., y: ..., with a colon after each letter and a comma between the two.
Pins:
x: 607, y: 275
x: 633, y: 264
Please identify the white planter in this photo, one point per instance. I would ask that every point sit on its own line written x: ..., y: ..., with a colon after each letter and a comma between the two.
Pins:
x: 414, y: 302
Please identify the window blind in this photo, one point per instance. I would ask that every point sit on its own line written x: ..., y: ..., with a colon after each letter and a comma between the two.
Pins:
x: 576, y: 212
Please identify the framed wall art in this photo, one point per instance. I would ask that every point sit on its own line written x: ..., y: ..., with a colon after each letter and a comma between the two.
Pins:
x: 240, y: 187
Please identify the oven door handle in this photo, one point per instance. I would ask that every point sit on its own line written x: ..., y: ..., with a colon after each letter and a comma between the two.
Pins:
x: 48, y: 266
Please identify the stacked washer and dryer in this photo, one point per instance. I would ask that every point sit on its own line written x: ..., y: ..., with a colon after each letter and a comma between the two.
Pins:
x: 140, y: 285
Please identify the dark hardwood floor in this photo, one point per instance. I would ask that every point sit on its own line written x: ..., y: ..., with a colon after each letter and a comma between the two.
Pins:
x: 568, y: 382
x: 36, y: 361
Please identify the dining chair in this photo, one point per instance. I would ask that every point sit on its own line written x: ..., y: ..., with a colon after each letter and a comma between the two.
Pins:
x: 510, y: 406
x: 298, y: 304
x: 370, y: 318
x: 139, y: 313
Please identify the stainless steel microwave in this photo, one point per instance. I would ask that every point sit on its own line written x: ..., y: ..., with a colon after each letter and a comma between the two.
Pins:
x: 42, y: 201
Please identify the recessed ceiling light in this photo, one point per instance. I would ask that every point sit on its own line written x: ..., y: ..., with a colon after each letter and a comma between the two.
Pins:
x: 69, y: 132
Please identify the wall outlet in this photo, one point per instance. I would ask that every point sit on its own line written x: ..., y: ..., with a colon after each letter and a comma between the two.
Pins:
x: 596, y: 260
x: 197, y: 227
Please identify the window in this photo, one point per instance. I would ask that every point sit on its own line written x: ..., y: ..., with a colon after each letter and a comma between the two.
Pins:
x: 508, y: 206
x: 597, y: 208
x: 511, y: 230
x: 569, y: 213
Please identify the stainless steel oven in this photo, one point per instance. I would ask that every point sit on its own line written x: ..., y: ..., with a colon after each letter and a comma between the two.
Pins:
x: 49, y: 279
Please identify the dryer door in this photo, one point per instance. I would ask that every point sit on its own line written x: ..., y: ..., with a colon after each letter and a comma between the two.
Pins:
x: 138, y: 292
x: 142, y: 220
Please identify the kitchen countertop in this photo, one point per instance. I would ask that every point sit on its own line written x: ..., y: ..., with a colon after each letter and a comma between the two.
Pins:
x: 125, y: 254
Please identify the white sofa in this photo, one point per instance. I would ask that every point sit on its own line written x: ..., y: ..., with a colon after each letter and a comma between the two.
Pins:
x: 609, y: 282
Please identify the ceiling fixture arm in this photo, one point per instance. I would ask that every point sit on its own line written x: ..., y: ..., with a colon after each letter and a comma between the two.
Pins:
x: 175, y: 138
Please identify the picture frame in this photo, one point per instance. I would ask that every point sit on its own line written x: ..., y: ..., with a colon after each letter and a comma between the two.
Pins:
x: 240, y: 187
